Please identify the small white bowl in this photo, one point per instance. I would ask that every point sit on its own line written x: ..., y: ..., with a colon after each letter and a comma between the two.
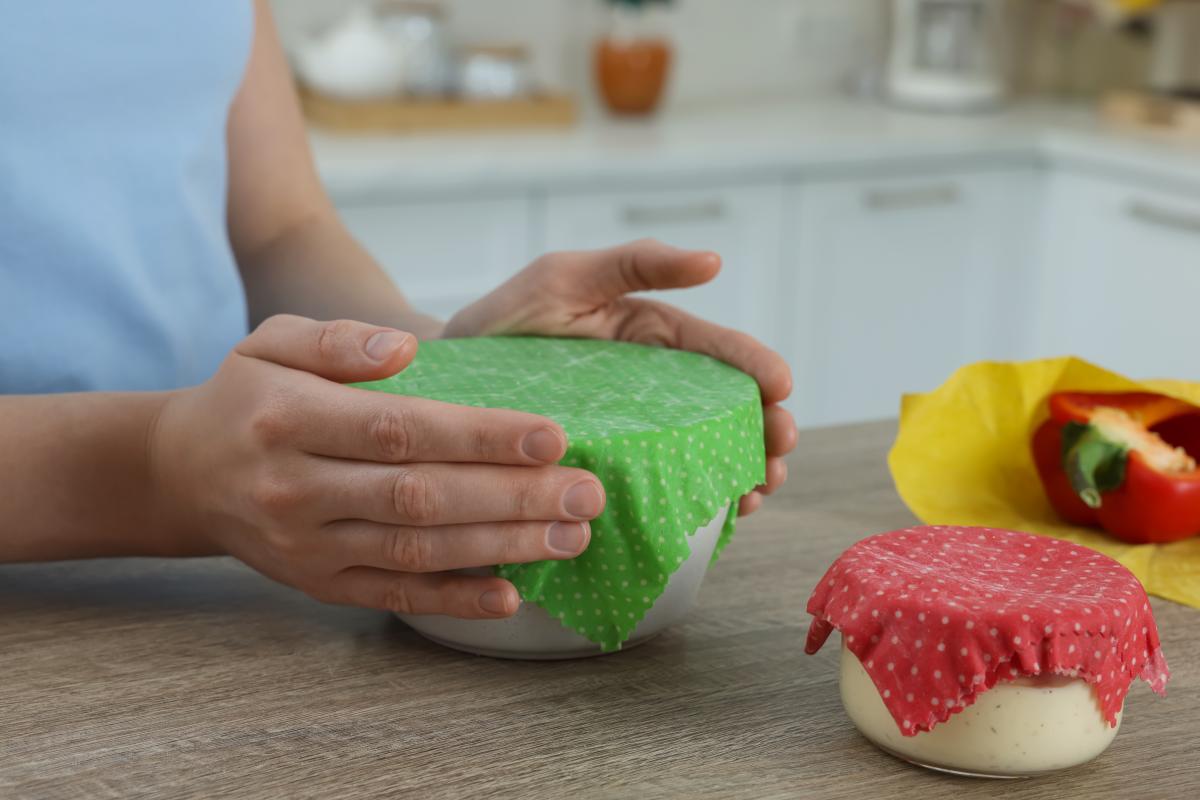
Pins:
x: 532, y: 634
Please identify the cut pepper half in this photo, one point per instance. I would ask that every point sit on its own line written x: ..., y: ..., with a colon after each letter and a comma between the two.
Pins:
x: 1123, y: 462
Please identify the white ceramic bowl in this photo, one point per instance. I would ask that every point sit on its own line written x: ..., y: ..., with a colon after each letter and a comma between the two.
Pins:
x: 533, y: 634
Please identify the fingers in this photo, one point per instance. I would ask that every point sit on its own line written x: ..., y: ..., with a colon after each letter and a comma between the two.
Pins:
x: 779, y: 430
x: 780, y: 434
x: 450, y: 547
x: 749, y: 504
x: 463, y: 596
x: 604, y: 275
x: 350, y: 423
x: 641, y: 266
x: 426, y: 495
x: 739, y: 350
x: 776, y: 476
x: 655, y: 323
x: 340, y: 350
x: 781, y: 437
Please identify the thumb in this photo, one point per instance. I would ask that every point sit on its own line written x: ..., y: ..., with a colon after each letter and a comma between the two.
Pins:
x: 643, y: 266
x: 341, y: 350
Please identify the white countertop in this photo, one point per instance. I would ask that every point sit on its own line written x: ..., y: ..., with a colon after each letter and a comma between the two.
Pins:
x: 797, y: 139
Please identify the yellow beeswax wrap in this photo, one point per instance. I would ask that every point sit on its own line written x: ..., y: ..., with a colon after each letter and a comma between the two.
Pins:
x: 962, y: 457
x: 1134, y: 6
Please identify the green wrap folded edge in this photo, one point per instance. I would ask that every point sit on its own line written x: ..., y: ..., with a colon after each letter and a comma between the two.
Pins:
x: 674, y: 437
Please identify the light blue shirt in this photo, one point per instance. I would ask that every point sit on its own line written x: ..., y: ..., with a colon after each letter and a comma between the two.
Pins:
x: 115, y: 266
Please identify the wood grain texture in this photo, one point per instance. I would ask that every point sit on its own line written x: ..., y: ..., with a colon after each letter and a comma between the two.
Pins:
x: 434, y: 115
x: 191, y: 679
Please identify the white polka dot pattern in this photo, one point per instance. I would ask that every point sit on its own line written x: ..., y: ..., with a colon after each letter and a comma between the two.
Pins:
x: 674, y: 437
x: 995, y: 605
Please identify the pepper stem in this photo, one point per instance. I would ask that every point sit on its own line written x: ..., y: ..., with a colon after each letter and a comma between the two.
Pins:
x: 1093, y: 462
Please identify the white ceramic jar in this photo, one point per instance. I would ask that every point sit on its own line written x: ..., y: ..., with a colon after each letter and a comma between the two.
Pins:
x: 354, y: 59
x: 494, y: 73
x: 420, y: 33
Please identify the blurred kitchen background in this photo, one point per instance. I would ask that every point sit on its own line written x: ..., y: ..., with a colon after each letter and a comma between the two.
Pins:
x: 897, y: 187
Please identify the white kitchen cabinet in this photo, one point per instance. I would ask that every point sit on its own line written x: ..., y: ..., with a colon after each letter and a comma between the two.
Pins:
x: 872, y: 284
x: 1119, y: 276
x: 741, y: 222
x: 445, y: 253
x: 895, y: 282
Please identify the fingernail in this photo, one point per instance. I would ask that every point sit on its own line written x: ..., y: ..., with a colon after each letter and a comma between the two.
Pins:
x: 383, y: 344
x: 543, y: 445
x: 583, y: 500
x: 494, y: 601
x: 568, y: 538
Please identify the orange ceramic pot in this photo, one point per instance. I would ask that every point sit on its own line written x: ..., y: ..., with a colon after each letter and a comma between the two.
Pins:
x: 632, y: 73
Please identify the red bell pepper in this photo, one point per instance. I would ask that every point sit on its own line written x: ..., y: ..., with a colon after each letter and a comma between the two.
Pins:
x: 1124, y: 462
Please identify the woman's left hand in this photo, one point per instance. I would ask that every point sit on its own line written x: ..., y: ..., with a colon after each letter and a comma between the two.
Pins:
x: 586, y: 294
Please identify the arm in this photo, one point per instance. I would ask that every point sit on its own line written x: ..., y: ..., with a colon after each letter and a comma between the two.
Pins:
x: 352, y: 496
x: 75, y: 480
x: 294, y: 253
x: 297, y: 257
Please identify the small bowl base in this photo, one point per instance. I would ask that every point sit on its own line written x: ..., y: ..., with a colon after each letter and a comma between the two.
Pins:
x: 532, y: 634
x: 526, y: 655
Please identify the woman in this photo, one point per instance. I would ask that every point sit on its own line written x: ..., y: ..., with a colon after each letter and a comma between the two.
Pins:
x: 156, y: 193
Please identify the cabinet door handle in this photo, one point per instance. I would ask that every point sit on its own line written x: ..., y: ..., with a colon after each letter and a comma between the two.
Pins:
x: 704, y: 211
x: 1173, y: 218
x: 916, y: 197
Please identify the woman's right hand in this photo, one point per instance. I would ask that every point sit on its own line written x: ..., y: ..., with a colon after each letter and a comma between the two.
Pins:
x: 362, y: 497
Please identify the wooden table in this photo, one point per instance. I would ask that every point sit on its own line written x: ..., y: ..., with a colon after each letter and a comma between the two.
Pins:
x: 200, y: 679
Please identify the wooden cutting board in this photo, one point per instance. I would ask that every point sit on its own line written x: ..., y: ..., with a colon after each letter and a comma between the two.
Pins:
x: 1161, y: 114
x: 423, y: 116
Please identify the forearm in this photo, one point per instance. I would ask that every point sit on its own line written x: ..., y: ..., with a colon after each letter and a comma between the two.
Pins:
x: 75, y: 480
x: 294, y: 253
x: 316, y: 269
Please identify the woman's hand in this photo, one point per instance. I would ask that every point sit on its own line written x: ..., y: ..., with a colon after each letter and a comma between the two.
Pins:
x: 586, y: 294
x: 362, y: 497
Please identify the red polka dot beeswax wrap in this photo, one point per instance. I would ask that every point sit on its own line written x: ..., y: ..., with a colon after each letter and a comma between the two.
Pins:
x: 939, y: 615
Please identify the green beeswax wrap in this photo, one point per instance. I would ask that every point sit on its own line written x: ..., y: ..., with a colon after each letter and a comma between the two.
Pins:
x: 674, y: 437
